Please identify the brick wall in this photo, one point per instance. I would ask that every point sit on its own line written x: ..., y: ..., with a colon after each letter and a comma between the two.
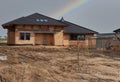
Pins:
x: 11, y: 37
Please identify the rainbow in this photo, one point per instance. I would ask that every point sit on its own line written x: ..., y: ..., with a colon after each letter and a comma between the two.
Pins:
x: 68, y: 8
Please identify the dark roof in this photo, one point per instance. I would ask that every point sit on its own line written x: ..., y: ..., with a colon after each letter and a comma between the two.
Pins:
x: 117, y: 31
x: 33, y: 19
x: 74, y: 28
x: 106, y: 35
x: 38, y: 19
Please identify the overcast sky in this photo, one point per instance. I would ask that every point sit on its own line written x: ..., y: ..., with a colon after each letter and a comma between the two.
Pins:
x: 100, y: 15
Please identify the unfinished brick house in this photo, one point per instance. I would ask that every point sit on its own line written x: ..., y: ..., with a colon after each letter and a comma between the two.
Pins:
x: 37, y: 29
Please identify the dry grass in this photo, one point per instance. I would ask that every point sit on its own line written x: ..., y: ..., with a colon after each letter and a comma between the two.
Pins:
x: 51, y: 64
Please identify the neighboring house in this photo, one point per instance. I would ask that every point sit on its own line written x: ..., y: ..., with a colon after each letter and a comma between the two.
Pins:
x: 106, y: 35
x: 106, y: 40
x: 117, y: 31
x: 39, y: 29
x: 103, y: 40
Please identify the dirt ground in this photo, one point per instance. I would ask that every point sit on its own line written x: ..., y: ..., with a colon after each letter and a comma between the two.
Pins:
x: 58, y: 64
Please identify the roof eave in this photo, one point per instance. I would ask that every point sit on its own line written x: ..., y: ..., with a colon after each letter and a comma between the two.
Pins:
x: 4, y: 26
x: 81, y: 32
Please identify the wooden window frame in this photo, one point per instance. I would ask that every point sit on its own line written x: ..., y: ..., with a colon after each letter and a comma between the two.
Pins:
x: 77, y: 37
x: 22, y: 36
x: 25, y: 35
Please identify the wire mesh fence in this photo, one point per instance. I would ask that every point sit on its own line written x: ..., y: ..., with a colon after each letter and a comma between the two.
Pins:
x: 103, y: 44
x: 109, y: 46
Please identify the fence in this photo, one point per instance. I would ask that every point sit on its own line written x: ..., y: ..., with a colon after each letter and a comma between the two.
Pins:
x: 104, y: 43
